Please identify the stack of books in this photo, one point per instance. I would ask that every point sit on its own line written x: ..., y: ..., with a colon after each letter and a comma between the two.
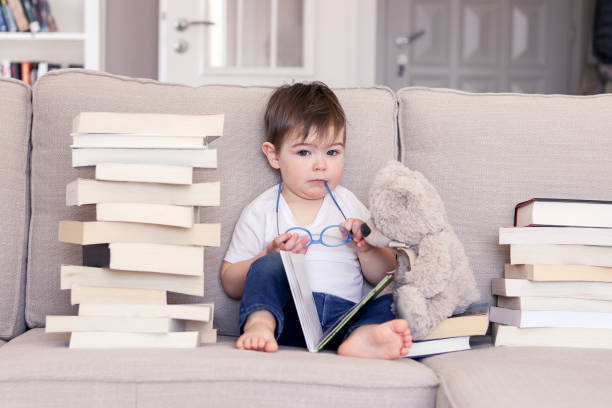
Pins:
x: 454, y: 333
x: 557, y: 289
x: 147, y: 238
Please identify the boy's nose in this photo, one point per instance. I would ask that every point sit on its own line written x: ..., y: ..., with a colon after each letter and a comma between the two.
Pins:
x: 320, y: 163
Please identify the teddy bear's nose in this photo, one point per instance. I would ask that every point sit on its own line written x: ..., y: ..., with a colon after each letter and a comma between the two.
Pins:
x: 365, y: 230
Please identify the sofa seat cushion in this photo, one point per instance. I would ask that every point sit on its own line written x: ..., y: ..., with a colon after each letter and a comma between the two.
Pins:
x: 523, y: 377
x: 485, y: 153
x: 15, y: 119
x: 38, y: 367
x: 243, y: 170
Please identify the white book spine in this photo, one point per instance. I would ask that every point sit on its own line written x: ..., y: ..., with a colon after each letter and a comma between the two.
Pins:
x: 579, y: 290
x: 106, y: 340
x: 110, y: 278
x: 205, y: 158
x: 145, y: 173
x: 555, y: 235
x: 86, y: 191
x: 58, y: 324
x: 161, y: 214
x: 199, y: 313
x: 175, y: 259
x: 561, y: 254
x: 548, y: 318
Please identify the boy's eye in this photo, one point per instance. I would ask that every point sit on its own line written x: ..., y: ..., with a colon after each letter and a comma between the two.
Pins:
x: 303, y: 153
x: 333, y: 152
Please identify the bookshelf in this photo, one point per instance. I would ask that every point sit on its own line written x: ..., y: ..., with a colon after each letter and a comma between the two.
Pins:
x: 79, y: 39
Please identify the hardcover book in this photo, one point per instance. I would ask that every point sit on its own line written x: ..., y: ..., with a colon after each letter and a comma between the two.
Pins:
x: 563, y: 212
x: 315, y: 338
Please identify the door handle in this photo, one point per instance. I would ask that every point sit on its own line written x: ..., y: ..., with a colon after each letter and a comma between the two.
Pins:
x: 404, y: 41
x: 181, y: 24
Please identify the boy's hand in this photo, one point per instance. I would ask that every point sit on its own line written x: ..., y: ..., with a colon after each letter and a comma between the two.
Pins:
x: 354, y: 226
x: 288, y: 242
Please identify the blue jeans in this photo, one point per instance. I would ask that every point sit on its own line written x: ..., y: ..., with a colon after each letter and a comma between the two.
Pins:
x: 267, y: 288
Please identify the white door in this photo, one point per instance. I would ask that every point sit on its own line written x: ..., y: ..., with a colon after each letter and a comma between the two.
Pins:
x: 267, y: 42
x: 481, y: 45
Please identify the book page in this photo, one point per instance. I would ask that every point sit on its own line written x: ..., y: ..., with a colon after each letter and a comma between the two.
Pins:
x: 303, y: 299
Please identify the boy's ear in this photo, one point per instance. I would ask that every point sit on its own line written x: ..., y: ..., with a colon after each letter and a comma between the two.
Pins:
x: 270, y: 151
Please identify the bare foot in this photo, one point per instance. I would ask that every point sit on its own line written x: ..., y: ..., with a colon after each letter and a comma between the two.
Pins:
x: 259, y: 333
x: 389, y: 340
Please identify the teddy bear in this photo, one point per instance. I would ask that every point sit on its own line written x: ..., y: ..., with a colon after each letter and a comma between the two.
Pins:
x: 433, y: 279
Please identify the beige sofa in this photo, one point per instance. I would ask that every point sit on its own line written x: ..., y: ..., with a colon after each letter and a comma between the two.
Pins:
x: 484, y: 153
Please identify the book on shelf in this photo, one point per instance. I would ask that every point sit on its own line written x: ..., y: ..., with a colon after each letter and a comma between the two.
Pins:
x: 558, y: 272
x: 145, y: 173
x: 131, y: 256
x: 88, y: 191
x: 580, y: 290
x: 561, y: 254
x: 30, y: 13
x: 563, y: 212
x: 556, y: 235
x: 160, y: 124
x: 27, y: 71
x: 9, y: 20
x: 550, y: 318
x: 315, y: 338
x: 100, y: 232
x: 47, y: 18
x: 430, y: 347
x: 107, y: 340
x: 162, y: 214
x: 554, y: 303
x: 90, y: 294
x: 95, y: 140
x: 194, y: 157
x: 39, y: 15
x: 198, y: 312
x: 111, y: 278
x: 551, y: 337
x: 473, y: 322
x: 3, y: 26
x: 61, y: 324
x: 19, y: 14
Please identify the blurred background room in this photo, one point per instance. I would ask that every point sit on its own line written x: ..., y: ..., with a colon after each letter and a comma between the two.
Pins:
x: 527, y: 46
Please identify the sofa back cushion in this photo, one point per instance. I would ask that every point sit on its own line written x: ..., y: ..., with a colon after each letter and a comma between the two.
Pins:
x: 487, y: 152
x: 15, y: 120
x: 243, y: 170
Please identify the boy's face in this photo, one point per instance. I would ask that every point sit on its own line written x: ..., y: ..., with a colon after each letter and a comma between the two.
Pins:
x: 306, y: 165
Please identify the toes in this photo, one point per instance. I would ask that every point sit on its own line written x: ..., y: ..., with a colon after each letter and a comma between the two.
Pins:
x: 399, y: 325
x: 270, y: 346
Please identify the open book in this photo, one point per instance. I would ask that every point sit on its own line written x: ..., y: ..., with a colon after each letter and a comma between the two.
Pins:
x: 305, y: 304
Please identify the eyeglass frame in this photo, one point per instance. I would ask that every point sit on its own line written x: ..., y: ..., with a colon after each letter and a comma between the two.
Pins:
x: 349, y: 236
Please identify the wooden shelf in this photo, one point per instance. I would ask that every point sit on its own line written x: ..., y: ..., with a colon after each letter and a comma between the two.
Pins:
x: 55, y: 36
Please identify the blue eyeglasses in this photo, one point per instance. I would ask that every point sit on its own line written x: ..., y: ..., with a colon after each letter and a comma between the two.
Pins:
x: 327, y: 238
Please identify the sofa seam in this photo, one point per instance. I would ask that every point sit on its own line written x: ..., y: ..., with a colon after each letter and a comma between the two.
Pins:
x: 24, y: 253
x: 443, y: 386
x: 411, y: 89
x: 146, y: 81
x: 212, y: 380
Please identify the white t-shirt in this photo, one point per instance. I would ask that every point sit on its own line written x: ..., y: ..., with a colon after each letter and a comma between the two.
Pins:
x: 334, y: 270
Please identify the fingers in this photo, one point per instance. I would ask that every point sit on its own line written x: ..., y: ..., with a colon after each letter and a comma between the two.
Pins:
x: 292, y: 243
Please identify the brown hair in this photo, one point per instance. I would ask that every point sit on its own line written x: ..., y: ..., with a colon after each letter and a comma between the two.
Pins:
x: 303, y: 107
